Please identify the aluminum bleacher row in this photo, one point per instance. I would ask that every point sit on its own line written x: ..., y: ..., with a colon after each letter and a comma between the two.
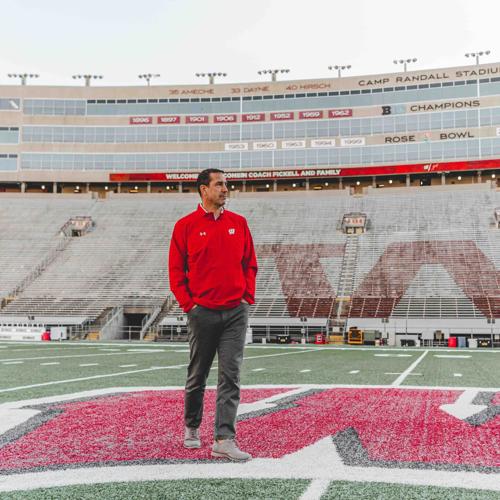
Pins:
x: 29, y: 227
x: 429, y: 252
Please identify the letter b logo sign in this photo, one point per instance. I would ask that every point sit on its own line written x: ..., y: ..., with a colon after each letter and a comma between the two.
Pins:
x: 386, y: 110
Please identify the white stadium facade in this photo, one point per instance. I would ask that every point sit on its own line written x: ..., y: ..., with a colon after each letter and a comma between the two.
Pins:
x: 370, y: 129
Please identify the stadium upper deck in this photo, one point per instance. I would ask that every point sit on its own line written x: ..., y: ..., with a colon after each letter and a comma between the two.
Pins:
x: 417, y: 127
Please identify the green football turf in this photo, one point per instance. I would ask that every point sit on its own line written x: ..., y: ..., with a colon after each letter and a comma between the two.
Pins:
x: 164, y: 365
x: 194, y: 489
x: 346, y: 490
x: 248, y: 489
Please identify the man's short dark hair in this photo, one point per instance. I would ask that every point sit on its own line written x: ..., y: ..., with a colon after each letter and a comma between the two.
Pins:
x: 204, y: 177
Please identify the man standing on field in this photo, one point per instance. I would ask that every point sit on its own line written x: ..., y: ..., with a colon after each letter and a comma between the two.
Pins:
x: 212, y: 268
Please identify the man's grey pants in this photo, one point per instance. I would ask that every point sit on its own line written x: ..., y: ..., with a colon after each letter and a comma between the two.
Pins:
x: 211, y: 331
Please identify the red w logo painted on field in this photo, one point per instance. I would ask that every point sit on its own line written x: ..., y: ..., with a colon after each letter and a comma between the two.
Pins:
x: 369, y: 427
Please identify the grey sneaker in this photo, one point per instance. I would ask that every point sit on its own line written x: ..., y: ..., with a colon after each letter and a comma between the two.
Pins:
x: 228, y: 448
x: 192, y: 438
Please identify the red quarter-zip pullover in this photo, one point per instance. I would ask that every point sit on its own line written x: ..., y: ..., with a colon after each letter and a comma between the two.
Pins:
x: 212, y: 261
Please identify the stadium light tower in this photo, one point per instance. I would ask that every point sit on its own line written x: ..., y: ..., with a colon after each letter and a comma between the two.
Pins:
x: 87, y: 78
x: 339, y: 69
x: 149, y: 76
x: 211, y: 76
x: 405, y: 62
x: 273, y: 72
x: 477, y: 55
x: 23, y: 76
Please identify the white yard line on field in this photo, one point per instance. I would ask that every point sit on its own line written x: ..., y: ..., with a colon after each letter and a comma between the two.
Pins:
x: 452, y: 356
x: 394, y: 355
x: 316, y: 489
x: 76, y: 356
x: 145, y: 350
x: 408, y: 371
x: 50, y: 363
x: 143, y: 370
x: 271, y: 355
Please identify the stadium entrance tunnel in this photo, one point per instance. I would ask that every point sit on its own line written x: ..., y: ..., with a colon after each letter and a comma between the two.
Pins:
x: 132, y: 325
x: 128, y: 323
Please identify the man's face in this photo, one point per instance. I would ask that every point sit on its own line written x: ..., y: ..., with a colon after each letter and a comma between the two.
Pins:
x: 216, y: 191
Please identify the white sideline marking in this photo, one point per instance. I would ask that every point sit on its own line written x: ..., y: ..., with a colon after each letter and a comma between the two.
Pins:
x: 108, y: 349
x: 88, y: 364
x: 401, y: 378
x: 354, y: 371
x: 143, y: 370
x: 463, y: 408
x: 50, y: 349
x: 126, y: 366
x: 174, y: 367
x: 145, y: 350
x: 181, y: 350
x: 394, y: 355
x: 258, y: 369
x: 451, y: 356
x: 71, y: 356
x: 316, y: 489
x: 457, y: 374
x: 305, y: 371
x: 12, y: 362
x: 92, y: 345
x: 50, y: 363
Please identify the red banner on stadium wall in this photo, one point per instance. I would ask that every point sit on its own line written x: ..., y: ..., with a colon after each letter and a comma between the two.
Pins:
x: 339, y: 113
x: 421, y: 168
x: 141, y: 120
x: 310, y: 115
x: 197, y: 119
x: 168, y: 120
x: 253, y: 117
x: 224, y: 118
x: 246, y: 117
x: 282, y: 115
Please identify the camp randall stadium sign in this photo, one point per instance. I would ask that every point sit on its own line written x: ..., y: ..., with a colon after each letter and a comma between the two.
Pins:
x: 406, y: 435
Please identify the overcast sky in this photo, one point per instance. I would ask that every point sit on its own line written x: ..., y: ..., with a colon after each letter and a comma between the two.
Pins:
x: 177, y: 38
